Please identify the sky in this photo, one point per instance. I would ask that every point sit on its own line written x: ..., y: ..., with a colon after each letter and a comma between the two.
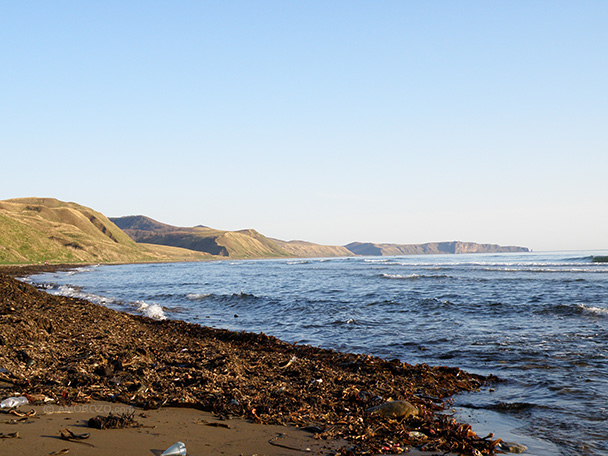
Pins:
x: 327, y: 121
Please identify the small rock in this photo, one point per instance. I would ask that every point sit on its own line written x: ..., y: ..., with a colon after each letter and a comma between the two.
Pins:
x: 511, y: 447
x: 394, y: 409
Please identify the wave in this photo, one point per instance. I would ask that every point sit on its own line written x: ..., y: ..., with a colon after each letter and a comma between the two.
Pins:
x: 592, y: 310
x: 400, y: 277
x: 575, y: 309
x: 76, y: 292
x: 229, y: 298
x: 600, y: 259
x: 546, y: 270
x: 350, y: 321
x: 415, y: 276
x: 153, y: 310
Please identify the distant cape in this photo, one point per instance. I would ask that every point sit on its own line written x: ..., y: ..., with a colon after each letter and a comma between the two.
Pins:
x: 450, y: 247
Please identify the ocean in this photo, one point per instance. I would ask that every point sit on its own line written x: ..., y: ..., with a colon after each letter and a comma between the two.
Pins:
x: 538, y: 321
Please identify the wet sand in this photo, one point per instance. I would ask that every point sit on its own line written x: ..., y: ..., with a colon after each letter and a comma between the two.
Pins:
x: 179, y: 375
x: 202, y: 433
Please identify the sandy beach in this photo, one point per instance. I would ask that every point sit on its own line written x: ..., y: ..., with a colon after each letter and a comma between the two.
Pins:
x: 155, y: 431
x: 217, y: 391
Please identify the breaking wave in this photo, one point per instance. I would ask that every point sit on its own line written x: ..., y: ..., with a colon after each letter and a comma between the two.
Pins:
x: 414, y: 276
x: 400, y: 276
x: 592, y: 310
x: 151, y: 310
x: 76, y: 292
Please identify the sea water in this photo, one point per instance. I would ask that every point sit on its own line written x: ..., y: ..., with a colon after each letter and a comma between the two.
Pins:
x: 539, y: 321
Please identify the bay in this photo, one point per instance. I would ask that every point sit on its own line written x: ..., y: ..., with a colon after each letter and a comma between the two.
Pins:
x: 539, y: 321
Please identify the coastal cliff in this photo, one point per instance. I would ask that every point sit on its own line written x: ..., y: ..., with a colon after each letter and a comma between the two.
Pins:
x: 453, y: 247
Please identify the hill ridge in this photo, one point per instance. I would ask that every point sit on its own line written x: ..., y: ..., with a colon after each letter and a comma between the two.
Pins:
x: 245, y: 243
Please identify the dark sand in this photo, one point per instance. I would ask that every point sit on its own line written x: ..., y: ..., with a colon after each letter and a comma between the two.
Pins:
x: 179, y: 375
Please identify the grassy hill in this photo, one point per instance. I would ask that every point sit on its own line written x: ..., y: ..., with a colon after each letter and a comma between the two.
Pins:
x: 35, y: 230
x: 234, y: 244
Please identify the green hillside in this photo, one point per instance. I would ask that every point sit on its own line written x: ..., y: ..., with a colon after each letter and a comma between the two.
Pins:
x: 35, y: 230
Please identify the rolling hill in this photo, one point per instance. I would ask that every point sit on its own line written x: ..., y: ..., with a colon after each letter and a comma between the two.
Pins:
x: 35, y: 230
x: 234, y: 244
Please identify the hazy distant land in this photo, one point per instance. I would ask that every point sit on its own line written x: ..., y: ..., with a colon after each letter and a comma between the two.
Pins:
x: 453, y: 247
x: 34, y: 230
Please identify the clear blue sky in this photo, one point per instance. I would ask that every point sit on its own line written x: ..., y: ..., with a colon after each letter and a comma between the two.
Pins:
x: 329, y: 121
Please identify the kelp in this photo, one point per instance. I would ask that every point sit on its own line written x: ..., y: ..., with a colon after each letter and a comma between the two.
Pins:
x: 74, y: 351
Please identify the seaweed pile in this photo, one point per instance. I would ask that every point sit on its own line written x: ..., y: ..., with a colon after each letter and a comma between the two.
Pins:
x: 72, y: 351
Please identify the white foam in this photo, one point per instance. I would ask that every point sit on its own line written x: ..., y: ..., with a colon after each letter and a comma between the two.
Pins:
x: 598, y: 311
x: 153, y: 310
x: 400, y: 277
x: 74, y: 292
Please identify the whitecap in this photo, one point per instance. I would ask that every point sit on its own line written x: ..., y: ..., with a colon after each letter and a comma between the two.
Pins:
x: 400, y: 277
x: 75, y: 292
x: 598, y: 311
x: 153, y: 310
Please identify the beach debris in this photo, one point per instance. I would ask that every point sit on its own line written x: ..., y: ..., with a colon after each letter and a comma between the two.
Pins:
x: 60, y: 452
x: 12, y: 435
x: 13, y: 402
x: 312, y: 429
x: 177, y: 449
x: 212, y: 424
x: 121, y: 421
x: 68, y: 434
x: 394, y: 409
x: 5, y: 374
x: 273, y: 441
x: 415, y: 435
x: 38, y: 399
x: 25, y: 415
x: 293, y: 359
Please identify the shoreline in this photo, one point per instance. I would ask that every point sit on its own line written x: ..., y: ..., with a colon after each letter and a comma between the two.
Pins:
x: 87, y: 352
x: 23, y: 270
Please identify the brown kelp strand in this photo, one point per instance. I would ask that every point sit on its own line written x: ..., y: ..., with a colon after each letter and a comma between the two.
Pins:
x: 71, y: 351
